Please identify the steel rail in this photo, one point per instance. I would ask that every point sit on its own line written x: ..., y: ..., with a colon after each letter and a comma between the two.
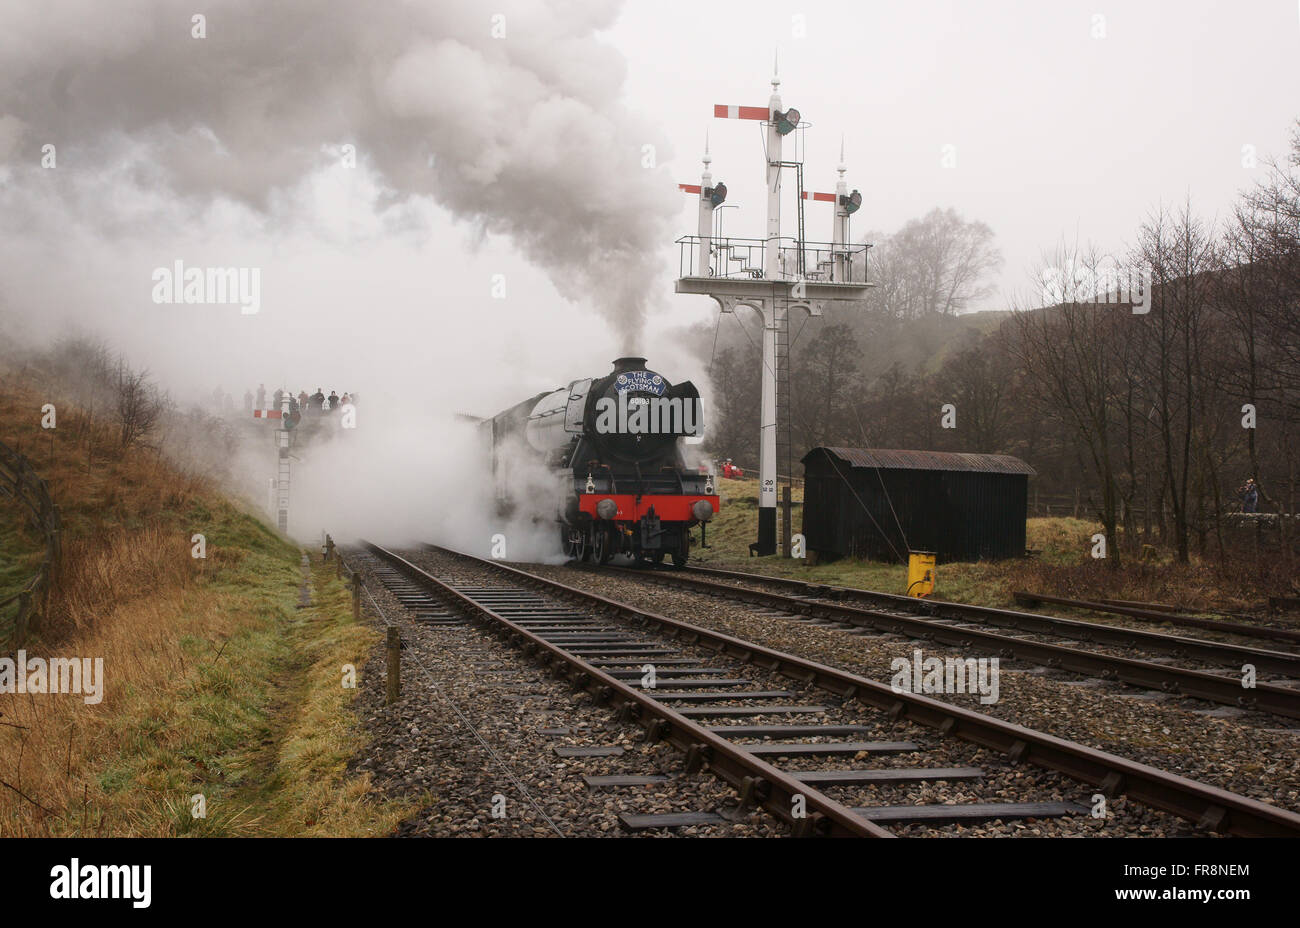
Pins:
x: 1265, y: 697
x: 1285, y: 663
x: 1170, y: 615
x: 1208, y: 806
x: 758, y: 781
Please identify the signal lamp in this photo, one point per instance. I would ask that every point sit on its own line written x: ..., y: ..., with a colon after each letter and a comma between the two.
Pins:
x: 717, y: 193
x: 788, y: 121
x: 852, y: 202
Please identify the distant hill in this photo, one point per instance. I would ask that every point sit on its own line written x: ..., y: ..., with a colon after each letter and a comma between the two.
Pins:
x: 915, y: 345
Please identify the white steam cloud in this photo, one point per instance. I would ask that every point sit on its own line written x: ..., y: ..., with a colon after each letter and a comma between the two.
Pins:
x: 509, y: 116
x: 414, y: 496
x: 229, y: 151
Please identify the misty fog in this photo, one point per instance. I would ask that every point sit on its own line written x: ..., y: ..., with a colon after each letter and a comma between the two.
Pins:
x: 450, y: 213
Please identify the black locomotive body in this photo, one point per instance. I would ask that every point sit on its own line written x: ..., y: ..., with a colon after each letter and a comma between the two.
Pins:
x: 604, y: 458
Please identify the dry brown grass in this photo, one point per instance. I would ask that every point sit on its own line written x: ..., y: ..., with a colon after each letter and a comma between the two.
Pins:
x: 115, y: 567
x: 1241, y: 584
x: 1063, y: 567
x: 57, y: 747
x: 203, y: 698
x: 215, y: 684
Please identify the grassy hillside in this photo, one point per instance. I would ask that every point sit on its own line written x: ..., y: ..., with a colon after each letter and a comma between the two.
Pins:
x: 217, y: 685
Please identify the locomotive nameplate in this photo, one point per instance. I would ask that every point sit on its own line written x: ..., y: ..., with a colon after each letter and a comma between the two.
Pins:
x: 640, y: 382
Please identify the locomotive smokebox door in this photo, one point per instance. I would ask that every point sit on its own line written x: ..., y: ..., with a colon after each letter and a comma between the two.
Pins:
x: 651, y: 531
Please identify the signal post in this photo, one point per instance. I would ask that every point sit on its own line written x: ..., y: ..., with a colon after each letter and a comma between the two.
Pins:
x: 773, y: 276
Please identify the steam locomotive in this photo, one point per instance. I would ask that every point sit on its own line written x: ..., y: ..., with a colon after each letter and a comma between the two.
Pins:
x: 604, y: 456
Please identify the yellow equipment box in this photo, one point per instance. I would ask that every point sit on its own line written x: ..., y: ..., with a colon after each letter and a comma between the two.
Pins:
x: 920, y: 573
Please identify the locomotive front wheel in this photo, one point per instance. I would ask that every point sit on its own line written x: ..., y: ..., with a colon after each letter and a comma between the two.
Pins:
x: 680, y: 558
x: 575, y: 543
x: 602, y: 544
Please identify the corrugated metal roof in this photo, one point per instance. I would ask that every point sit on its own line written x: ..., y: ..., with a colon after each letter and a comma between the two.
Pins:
x: 928, y: 460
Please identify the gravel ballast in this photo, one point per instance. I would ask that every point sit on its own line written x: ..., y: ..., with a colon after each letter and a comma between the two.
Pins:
x: 1247, y: 753
x: 471, y: 728
x: 1002, y: 781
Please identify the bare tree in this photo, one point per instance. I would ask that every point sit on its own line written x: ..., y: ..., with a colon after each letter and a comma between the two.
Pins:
x: 139, y: 404
x: 1067, y: 355
x: 1178, y: 249
x: 823, y: 388
x: 978, y: 381
x: 734, y: 429
x: 939, y: 263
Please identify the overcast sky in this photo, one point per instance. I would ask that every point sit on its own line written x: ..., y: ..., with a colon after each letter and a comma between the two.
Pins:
x: 519, y: 155
x: 1055, y: 132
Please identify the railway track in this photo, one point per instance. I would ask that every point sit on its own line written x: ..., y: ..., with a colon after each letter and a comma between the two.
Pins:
x: 603, y: 646
x: 603, y: 660
x: 1014, y: 635
x: 1149, y: 612
x: 479, y: 724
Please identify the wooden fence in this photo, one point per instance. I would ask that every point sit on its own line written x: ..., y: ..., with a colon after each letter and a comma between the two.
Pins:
x: 19, y: 481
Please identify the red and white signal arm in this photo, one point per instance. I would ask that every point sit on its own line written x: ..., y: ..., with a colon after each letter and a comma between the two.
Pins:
x: 722, y: 111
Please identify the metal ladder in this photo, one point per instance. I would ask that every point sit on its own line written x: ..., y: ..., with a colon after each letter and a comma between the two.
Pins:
x: 799, y: 259
x: 282, y: 479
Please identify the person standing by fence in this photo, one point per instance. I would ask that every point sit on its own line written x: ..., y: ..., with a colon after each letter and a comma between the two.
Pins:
x: 1249, y: 493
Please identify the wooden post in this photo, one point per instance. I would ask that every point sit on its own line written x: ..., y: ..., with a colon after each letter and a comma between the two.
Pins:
x: 24, y: 610
x: 56, y: 539
x: 356, y: 597
x: 785, y: 520
x: 338, y: 564
x: 35, y: 610
x: 394, y: 666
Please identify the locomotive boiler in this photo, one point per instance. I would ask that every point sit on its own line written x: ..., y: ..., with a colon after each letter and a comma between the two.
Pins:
x: 603, y: 458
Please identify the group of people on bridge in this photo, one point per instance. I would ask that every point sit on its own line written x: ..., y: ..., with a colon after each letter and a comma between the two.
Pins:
x: 314, y: 404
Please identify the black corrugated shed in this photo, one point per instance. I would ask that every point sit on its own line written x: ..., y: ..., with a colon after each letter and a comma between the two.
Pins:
x: 875, y: 503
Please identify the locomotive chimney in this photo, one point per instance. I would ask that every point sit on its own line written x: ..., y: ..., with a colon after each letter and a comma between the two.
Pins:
x: 628, y: 364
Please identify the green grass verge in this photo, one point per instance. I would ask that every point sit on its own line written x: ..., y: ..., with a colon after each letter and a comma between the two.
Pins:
x: 257, y: 724
x: 1061, y: 542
